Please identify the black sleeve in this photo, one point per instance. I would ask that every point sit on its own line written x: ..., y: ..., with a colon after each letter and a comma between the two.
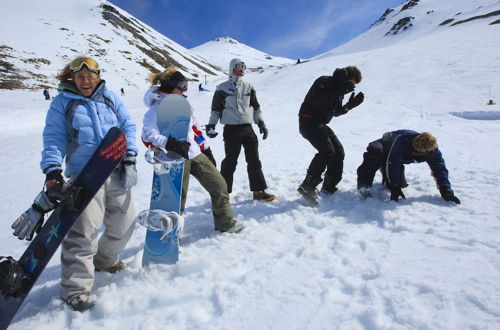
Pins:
x: 253, y: 100
x: 219, y: 101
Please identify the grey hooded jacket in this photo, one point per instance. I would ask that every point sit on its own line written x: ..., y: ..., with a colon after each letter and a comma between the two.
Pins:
x: 235, y: 103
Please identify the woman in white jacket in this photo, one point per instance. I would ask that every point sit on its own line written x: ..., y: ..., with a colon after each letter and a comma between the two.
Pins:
x: 194, y: 150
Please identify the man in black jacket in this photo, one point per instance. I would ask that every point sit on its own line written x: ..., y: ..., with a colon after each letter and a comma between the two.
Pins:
x: 321, y: 104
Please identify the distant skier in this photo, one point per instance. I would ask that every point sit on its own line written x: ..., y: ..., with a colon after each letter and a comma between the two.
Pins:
x: 392, y: 151
x: 95, y: 110
x: 235, y: 104
x: 46, y: 94
x: 122, y: 91
x: 200, y: 162
x: 200, y: 87
x: 323, y: 102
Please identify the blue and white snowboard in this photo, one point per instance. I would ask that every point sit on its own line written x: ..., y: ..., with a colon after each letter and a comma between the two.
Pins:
x: 174, y: 116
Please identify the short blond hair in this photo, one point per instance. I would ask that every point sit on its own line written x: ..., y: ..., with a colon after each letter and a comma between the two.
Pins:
x: 424, y: 142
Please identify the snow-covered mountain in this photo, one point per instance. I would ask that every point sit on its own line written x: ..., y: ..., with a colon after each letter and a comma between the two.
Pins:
x: 221, y: 50
x: 418, y: 18
x: 39, y: 37
x: 421, y: 263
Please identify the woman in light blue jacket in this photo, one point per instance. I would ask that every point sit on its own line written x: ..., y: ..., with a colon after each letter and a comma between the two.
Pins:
x: 77, y: 121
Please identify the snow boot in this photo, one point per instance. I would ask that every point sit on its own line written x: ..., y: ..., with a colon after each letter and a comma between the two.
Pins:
x: 308, y: 189
x: 328, y: 186
x: 263, y: 196
x: 235, y: 229
x: 116, y: 267
x: 365, y: 192
x: 82, y: 302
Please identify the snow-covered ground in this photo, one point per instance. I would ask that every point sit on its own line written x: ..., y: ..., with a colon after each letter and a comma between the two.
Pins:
x: 421, y: 263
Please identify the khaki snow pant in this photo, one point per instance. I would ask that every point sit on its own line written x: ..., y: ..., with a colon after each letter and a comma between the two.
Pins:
x: 82, y: 251
x: 206, y: 173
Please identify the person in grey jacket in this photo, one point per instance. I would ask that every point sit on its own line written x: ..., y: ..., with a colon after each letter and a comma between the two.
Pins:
x: 235, y: 105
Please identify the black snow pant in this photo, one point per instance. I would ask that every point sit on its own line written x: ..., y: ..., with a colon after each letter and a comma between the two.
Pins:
x: 375, y: 158
x: 236, y: 136
x: 330, y: 154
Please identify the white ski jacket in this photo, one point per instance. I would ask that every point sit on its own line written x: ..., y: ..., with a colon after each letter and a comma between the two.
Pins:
x: 151, y: 134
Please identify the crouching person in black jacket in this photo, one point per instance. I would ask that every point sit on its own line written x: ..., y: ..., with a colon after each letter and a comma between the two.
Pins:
x: 323, y: 102
x: 392, y: 151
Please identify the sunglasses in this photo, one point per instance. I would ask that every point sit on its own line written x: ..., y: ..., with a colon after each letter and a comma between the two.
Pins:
x: 182, y: 85
x: 78, y: 64
x: 240, y: 67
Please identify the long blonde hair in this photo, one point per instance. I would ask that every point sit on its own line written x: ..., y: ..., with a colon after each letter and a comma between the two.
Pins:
x: 157, y: 78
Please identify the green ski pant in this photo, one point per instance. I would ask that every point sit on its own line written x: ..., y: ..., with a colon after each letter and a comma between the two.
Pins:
x: 209, y: 177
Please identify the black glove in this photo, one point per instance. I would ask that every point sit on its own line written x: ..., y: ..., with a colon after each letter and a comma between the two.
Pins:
x: 55, y: 175
x: 448, y: 195
x: 210, y: 156
x: 348, y: 86
x: 263, y: 129
x: 355, y: 100
x: 180, y: 147
x: 396, y: 192
x: 210, y: 129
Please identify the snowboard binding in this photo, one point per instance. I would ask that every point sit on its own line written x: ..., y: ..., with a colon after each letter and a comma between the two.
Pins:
x: 13, y: 280
x: 161, y: 160
x: 66, y: 194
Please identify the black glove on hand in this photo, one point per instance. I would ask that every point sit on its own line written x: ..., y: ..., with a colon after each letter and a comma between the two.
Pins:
x: 355, y: 100
x: 55, y: 175
x: 210, y: 156
x: 180, y: 147
x: 396, y: 192
x: 263, y: 129
x: 448, y: 195
x: 348, y: 86
x: 211, y: 131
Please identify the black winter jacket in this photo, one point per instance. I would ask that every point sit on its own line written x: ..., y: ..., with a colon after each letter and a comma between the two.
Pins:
x: 324, y: 99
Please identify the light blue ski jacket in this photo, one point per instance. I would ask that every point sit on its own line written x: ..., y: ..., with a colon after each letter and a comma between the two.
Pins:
x: 92, y: 118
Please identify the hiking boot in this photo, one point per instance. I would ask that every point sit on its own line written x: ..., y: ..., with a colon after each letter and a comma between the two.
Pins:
x: 308, y: 189
x: 309, y: 195
x: 116, y: 267
x: 263, y: 196
x: 235, y: 229
x: 328, y: 186
x: 82, y: 302
x: 365, y: 192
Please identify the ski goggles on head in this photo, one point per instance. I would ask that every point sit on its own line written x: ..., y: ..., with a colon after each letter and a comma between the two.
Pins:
x: 240, y: 67
x: 78, y: 64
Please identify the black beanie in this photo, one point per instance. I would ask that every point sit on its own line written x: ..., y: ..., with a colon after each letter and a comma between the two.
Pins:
x: 171, y: 83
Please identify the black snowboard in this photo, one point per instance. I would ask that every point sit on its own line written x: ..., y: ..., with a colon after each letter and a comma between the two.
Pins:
x: 44, y: 245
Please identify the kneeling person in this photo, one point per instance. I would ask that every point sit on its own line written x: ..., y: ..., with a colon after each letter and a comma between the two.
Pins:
x: 392, y: 151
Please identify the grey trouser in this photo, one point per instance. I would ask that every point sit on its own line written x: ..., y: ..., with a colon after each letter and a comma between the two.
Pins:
x: 82, y: 251
x: 205, y: 172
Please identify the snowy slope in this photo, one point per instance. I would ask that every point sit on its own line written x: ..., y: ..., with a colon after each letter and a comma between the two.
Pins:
x: 38, y: 38
x: 222, y: 50
x: 416, y: 18
x: 421, y: 263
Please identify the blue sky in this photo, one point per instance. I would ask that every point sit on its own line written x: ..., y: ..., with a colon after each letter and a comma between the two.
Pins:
x: 288, y: 28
